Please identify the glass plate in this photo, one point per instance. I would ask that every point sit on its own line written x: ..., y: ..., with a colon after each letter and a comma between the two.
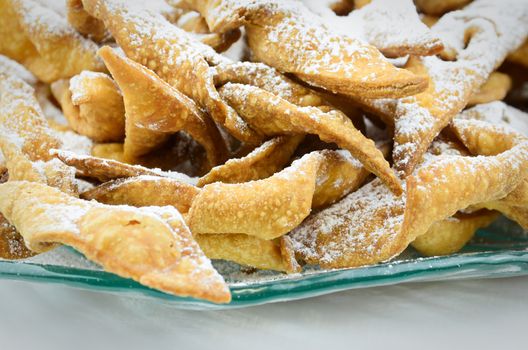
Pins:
x: 499, y: 251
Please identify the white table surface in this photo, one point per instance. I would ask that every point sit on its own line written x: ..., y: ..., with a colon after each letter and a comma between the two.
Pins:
x: 481, y: 314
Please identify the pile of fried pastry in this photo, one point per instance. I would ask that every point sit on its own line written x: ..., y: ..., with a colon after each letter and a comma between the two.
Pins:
x: 153, y: 136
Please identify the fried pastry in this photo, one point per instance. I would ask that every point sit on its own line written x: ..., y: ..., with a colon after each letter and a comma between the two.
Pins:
x: 372, y: 225
x: 500, y: 114
x: 275, y: 210
x: 287, y: 36
x: 450, y: 235
x: 273, y: 116
x: 44, y: 42
x: 262, y: 162
x: 108, y: 169
x: 494, y: 89
x: 85, y: 24
x: 26, y: 139
x: 483, y: 138
x: 520, y: 56
x: 151, y: 245
x: 172, y: 54
x: 143, y: 191
x: 439, y: 7
x: 154, y: 110
x: 250, y: 251
x: 93, y: 105
x: 479, y: 37
x: 270, y: 80
x: 316, y: 147
x: 375, y: 23
x: 10, y: 67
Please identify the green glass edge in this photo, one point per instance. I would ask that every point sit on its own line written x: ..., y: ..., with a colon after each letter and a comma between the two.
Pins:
x: 469, y: 265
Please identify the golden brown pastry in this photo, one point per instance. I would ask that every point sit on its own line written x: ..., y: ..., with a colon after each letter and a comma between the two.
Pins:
x: 476, y: 41
x: 376, y: 22
x: 93, y: 105
x: 44, y: 42
x: 494, y: 89
x: 174, y: 55
x: 262, y: 162
x: 84, y: 23
x: 439, y: 7
x: 372, y: 225
x: 272, y: 116
x: 154, y: 110
x: 287, y: 36
x: 151, y: 245
x: 450, y: 235
x: 26, y: 139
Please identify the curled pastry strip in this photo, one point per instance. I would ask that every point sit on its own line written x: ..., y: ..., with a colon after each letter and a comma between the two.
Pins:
x: 450, y: 235
x: 262, y: 162
x: 44, y: 42
x: 26, y: 139
x: 500, y: 114
x: 174, y: 55
x: 288, y: 36
x: 154, y: 110
x: 478, y: 38
x: 154, y: 190
x: 483, y: 138
x: 85, y: 24
x: 151, y: 245
x: 93, y: 106
x: 269, y: 79
x: 494, y: 89
x: 143, y: 191
x: 375, y: 24
x: 265, y: 208
x: 250, y: 251
x: 372, y: 225
x: 275, y: 205
x: 107, y: 169
x: 487, y: 178
x: 273, y: 116
x: 272, y: 206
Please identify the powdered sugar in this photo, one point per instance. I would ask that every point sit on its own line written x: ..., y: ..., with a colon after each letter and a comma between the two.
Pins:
x: 73, y: 142
x: 393, y: 26
x: 420, y: 118
x: 8, y: 66
x: 500, y: 114
x: 79, y: 82
x: 355, y: 225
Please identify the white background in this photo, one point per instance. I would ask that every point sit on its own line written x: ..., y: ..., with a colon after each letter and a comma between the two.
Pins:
x: 481, y: 314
